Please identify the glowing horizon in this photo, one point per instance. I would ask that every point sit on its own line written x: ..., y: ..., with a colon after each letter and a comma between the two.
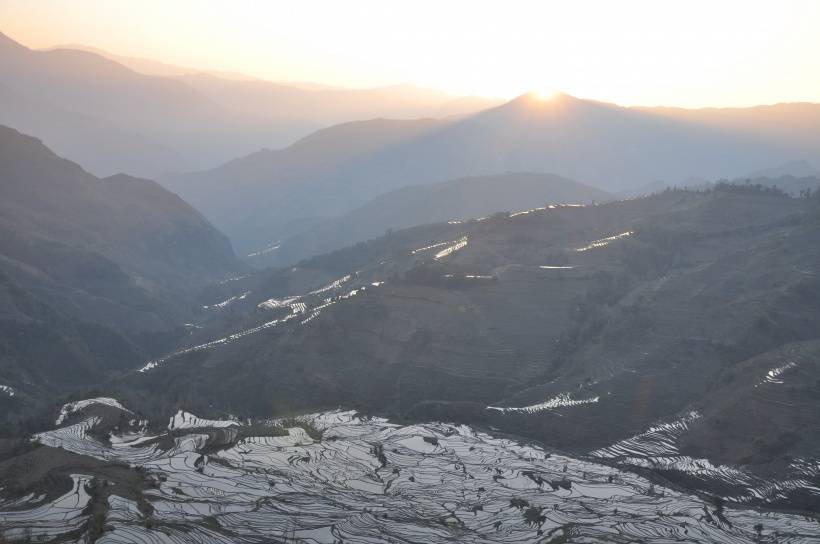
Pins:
x: 694, y: 54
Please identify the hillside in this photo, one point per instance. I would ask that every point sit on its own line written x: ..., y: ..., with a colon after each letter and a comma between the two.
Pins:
x: 579, y: 326
x: 458, y: 199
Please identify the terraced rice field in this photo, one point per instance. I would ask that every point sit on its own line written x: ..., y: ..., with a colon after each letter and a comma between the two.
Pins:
x: 368, y: 480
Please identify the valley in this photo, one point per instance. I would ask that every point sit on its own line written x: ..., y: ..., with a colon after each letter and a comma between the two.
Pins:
x: 360, y: 273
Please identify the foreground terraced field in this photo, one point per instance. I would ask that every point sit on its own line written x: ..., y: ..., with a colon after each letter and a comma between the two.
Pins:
x: 367, y: 480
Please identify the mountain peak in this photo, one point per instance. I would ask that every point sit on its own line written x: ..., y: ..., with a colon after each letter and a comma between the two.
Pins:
x: 533, y: 102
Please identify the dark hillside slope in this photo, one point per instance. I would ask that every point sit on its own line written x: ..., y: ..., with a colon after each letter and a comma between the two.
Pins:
x: 134, y: 222
x: 458, y: 199
x: 587, y: 324
x: 45, y: 351
x: 90, y: 265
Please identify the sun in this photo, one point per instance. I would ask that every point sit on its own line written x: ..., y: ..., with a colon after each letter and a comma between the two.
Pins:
x: 544, y: 93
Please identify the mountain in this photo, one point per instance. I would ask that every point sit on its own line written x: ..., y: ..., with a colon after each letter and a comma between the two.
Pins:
x: 797, y: 169
x: 150, y: 124
x: 458, y: 199
x: 91, y: 270
x: 605, y: 145
x: 271, y: 194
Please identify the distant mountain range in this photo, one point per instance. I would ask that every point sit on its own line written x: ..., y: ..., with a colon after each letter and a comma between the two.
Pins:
x: 112, y: 114
x: 270, y: 195
x: 92, y: 271
x: 81, y: 103
x: 327, y: 104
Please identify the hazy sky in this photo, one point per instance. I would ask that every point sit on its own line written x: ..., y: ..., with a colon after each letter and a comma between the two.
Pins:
x: 687, y: 53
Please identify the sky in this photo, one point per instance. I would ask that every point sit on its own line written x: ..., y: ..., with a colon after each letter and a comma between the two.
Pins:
x: 690, y: 53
